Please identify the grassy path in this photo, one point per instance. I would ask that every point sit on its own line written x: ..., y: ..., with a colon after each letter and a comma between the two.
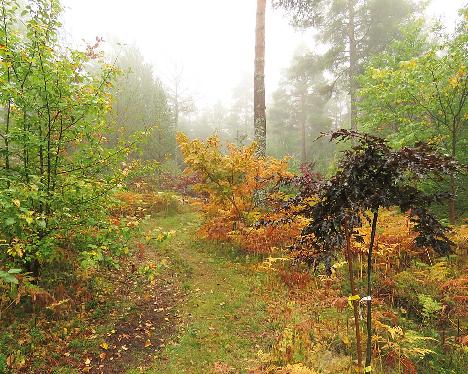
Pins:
x: 223, y: 317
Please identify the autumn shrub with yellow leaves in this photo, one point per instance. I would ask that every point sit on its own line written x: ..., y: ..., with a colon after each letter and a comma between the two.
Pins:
x: 233, y: 209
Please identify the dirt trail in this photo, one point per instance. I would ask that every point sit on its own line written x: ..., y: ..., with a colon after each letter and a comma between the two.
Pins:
x: 223, y: 318
x: 204, y: 313
x: 141, y: 331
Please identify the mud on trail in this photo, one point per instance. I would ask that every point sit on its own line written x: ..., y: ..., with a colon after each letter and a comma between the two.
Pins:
x: 141, y: 331
x: 150, y: 320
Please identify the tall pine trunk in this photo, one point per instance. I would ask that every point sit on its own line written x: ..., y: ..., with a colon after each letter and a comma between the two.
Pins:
x: 352, y: 63
x: 303, y: 119
x: 259, y: 80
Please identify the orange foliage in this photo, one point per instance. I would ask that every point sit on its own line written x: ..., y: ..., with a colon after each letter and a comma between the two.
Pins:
x: 265, y: 239
x: 394, y: 243
x: 295, y: 279
x: 395, y: 246
x: 395, y: 252
x: 234, y: 183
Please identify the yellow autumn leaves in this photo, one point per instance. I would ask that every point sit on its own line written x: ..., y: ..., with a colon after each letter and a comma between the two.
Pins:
x: 234, y: 184
x: 232, y: 178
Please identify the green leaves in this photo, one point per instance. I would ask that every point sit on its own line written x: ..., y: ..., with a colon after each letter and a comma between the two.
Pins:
x: 56, y: 166
x: 9, y: 276
x: 418, y: 91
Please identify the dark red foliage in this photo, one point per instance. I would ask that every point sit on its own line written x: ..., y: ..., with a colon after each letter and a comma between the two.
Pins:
x: 308, y: 179
x: 370, y: 176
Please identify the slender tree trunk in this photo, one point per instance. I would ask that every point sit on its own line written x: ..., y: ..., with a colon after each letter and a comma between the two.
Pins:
x: 355, y: 303
x: 176, y: 120
x: 8, y: 105
x: 452, y: 201
x: 259, y: 80
x: 369, y: 292
x: 25, y: 149
x: 160, y: 157
x: 47, y: 160
x: 352, y: 63
x: 453, y: 181
x: 57, y: 154
x: 7, y: 134
x: 303, y: 130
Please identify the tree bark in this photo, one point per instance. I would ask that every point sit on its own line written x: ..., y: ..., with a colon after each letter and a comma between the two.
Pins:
x: 369, y: 291
x: 452, y: 201
x: 357, y: 327
x: 352, y: 63
x: 259, y: 80
x: 7, y: 134
x: 303, y: 118
x: 6, y: 137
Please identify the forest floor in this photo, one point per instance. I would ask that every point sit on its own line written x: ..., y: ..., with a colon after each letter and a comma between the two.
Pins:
x: 226, y: 311
x: 223, y: 317
x: 187, y: 305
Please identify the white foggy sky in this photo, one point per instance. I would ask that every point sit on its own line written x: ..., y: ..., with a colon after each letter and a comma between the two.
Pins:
x: 212, y: 39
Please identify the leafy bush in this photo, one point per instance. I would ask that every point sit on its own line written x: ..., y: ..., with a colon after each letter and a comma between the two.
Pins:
x: 56, y: 168
x: 135, y: 204
x: 182, y: 183
x: 235, y: 186
x: 14, y: 285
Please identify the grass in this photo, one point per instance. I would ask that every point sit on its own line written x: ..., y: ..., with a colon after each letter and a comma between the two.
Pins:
x: 224, y: 320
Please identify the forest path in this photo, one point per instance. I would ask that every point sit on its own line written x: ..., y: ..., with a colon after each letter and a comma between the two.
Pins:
x: 223, y: 317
